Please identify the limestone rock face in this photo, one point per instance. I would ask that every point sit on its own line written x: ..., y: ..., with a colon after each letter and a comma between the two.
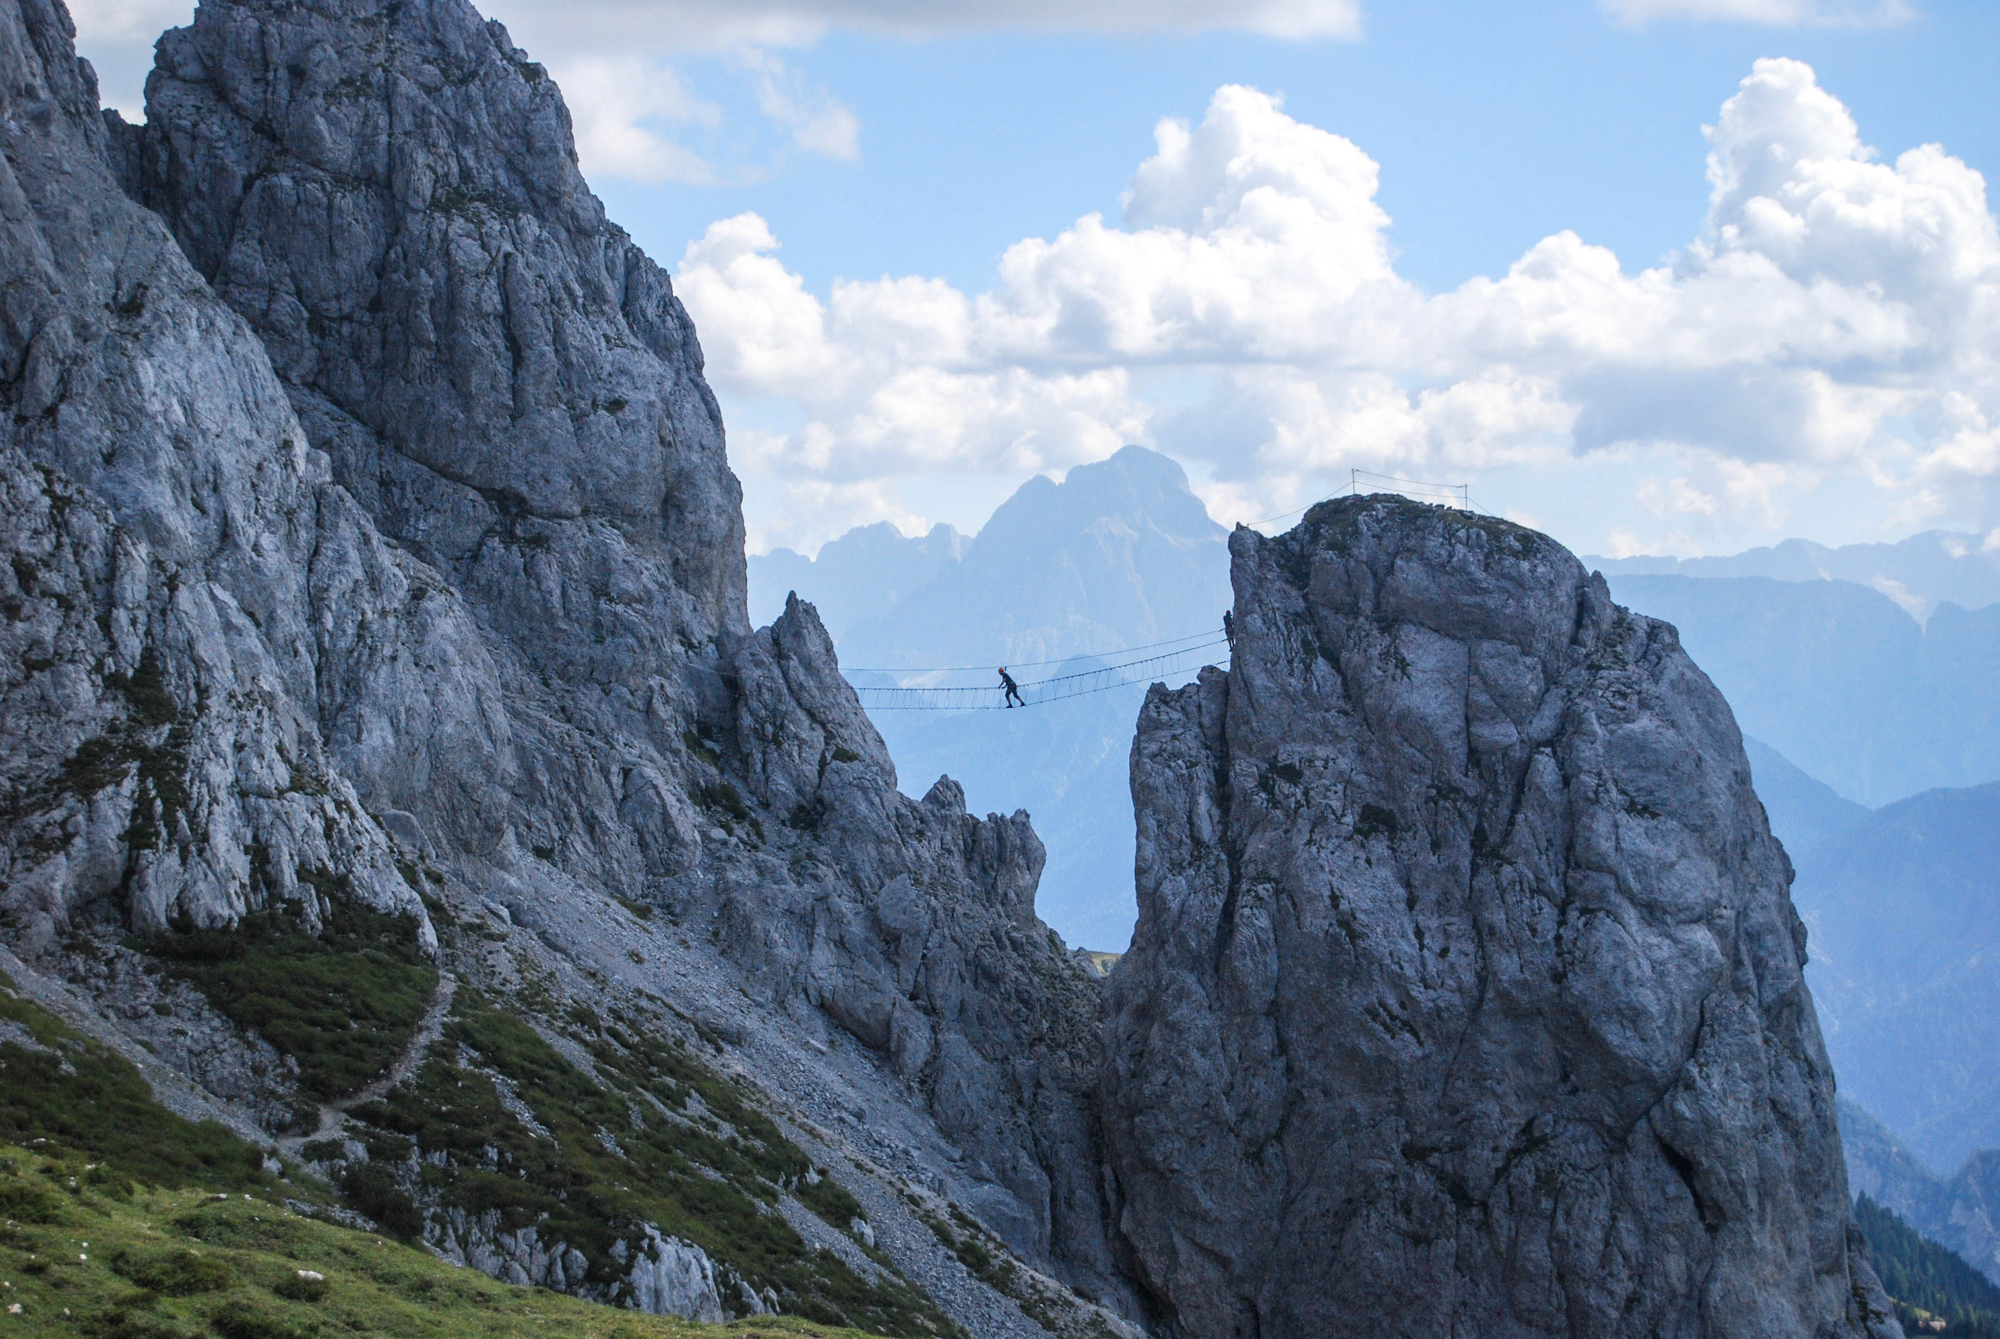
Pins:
x: 388, y: 190
x: 405, y: 505
x: 388, y: 193
x: 172, y: 536
x: 1466, y: 997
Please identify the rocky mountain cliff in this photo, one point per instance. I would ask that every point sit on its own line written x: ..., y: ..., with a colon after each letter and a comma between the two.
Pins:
x: 375, y: 555
x: 391, y: 775
x: 1466, y: 996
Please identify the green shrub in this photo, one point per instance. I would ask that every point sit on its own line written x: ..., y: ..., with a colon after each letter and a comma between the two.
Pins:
x: 123, y: 1322
x: 242, y: 1320
x: 302, y: 1285
x: 180, y: 1273
x: 343, y: 1005
x: 26, y: 1202
x: 225, y: 1223
x: 374, y: 1191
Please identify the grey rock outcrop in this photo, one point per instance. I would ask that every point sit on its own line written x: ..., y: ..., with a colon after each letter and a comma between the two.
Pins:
x: 672, y: 1277
x: 1466, y: 997
x: 407, y: 497
x: 173, y: 539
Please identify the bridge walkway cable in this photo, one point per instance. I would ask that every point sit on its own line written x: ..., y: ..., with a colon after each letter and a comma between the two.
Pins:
x: 1179, y: 659
x: 1041, y: 691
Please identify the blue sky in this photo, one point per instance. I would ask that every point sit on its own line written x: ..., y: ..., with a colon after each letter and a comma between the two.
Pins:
x: 900, y: 150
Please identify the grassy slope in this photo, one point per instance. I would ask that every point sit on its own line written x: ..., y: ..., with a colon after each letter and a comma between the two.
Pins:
x: 87, y: 1155
x: 89, y: 1254
x: 59, y: 1085
x: 695, y: 1156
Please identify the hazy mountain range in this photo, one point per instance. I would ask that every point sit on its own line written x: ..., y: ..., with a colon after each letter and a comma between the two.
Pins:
x: 1840, y: 679
x: 1804, y: 811
x: 1904, y: 913
x: 856, y: 577
x: 1120, y: 554
x: 1961, y: 1210
x: 1918, y: 573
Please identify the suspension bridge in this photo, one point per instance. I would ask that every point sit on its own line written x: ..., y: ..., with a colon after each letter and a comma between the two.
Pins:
x: 1186, y: 654
x: 930, y: 688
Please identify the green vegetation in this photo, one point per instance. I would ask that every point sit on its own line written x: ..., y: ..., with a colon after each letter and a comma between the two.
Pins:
x: 583, y: 1139
x: 1936, y: 1291
x: 343, y: 1005
x: 653, y: 1137
x: 73, y: 1090
x: 177, y: 1264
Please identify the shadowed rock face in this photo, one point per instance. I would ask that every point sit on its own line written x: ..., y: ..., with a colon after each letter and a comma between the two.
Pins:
x: 1466, y: 997
x: 387, y: 190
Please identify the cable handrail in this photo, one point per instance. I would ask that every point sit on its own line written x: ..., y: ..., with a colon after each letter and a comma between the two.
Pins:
x: 1021, y: 664
x: 1105, y: 677
x: 1036, y: 693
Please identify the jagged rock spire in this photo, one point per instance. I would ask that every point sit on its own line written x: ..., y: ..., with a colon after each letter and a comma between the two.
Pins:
x: 1466, y: 997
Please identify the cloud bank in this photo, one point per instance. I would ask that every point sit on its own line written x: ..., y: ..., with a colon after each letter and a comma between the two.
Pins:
x: 1837, y: 315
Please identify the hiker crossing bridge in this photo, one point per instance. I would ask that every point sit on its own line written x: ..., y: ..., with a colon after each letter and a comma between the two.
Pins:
x: 942, y: 688
x: 930, y: 689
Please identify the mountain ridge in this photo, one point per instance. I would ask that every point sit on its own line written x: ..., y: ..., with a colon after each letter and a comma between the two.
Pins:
x: 376, y: 612
x: 1918, y: 573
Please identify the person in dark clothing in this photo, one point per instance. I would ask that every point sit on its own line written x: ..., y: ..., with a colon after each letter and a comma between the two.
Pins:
x: 1013, y: 698
x: 1229, y: 628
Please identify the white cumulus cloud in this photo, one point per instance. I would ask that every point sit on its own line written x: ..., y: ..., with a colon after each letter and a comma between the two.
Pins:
x: 816, y: 120
x: 624, y: 109
x: 1837, y: 315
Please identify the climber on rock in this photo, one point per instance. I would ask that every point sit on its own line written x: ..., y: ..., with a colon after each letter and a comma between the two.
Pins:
x: 1013, y: 698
